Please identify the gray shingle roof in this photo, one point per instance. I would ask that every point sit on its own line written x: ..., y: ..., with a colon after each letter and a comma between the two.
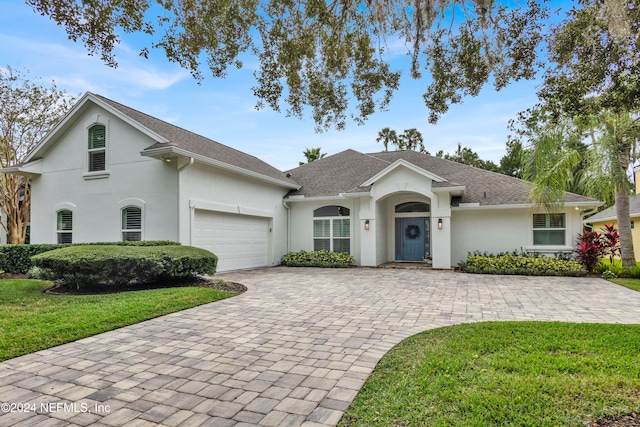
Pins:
x: 346, y: 171
x: 197, y: 144
x: 609, y: 213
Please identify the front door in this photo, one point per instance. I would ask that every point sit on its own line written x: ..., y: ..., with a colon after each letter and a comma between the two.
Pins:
x: 411, y: 238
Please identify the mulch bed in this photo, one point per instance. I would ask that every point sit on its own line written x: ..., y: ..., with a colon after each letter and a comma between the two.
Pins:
x: 628, y: 420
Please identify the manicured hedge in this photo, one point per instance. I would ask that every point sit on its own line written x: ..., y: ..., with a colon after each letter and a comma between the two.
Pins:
x: 110, y: 265
x: 321, y: 258
x: 16, y: 259
x: 525, y: 265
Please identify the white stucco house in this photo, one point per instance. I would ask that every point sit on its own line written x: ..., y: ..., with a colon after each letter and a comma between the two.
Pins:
x: 107, y: 172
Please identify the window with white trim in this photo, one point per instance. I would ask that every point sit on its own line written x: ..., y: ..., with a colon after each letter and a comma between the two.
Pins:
x: 331, y: 230
x: 97, y: 148
x: 549, y: 229
x: 131, y: 223
x: 64, y: 227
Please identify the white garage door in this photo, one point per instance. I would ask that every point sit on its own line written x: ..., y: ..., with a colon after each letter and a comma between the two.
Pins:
x: 239, y: 241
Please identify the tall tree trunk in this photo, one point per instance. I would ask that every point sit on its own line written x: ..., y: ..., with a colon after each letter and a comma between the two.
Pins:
x: 624, y: 228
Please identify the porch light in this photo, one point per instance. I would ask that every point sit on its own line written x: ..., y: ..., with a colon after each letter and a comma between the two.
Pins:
x: 167, y: 159
x: 439, y: 223
x: 366, y: 224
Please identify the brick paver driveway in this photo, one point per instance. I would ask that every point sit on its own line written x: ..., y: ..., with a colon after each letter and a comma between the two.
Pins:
x: 293, y: 350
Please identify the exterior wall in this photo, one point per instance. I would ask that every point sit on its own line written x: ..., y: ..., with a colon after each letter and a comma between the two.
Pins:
x: 635, y: 233
x: 96, y: 203
x: 503, y: 230
x: 208, y: 188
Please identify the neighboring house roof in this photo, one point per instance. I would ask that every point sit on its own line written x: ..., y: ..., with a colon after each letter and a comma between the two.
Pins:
x: 345, y: 172
x: 610, y: 213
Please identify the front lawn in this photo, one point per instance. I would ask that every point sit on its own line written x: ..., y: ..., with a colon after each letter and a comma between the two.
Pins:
x: 504, y: 374
x: 627, y: 283
x: 31, y: 320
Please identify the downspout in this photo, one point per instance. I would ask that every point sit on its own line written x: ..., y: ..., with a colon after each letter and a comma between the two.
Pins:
x: 288, y: 208
x: 180, y: 169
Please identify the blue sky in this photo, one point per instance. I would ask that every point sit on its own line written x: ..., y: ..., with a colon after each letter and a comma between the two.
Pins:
x: 223, y: 109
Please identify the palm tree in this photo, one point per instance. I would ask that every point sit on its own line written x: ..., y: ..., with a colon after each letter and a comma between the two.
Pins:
x: 312, y: 154
x: 551, y: 164
x: 411, y: 139
x: 387, y: 136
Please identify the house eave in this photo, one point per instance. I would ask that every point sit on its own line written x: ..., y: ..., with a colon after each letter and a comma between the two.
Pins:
x: 24, y: 169
x: 471, y: 206
x: 302, y: 198
x: 161, y: 154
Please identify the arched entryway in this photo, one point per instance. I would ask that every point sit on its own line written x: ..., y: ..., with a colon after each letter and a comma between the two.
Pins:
x: 412, y: 231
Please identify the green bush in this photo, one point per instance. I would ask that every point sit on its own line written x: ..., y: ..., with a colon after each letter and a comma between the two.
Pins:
x: 608, y: 274
x: 515, y: 264
x: 16, y: 259
x: 605, y: 264
x: 82, y: 266
x: 634, y: 271
x: 321, y: 258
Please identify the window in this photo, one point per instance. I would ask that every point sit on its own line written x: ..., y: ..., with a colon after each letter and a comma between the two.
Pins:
x: 331, y: 231
x: 97, y: 148
x: 549, y: 229
x: 131, y: 223
x: 412, y: 207
x: 65, y: 226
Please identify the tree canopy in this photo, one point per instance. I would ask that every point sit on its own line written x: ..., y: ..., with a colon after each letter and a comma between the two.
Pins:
x: 323, y: 55
x: 29, y: 110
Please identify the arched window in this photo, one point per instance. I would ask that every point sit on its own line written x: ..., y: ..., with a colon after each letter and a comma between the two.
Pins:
x: 97, y: 148
x: 131, y: 223
x: 64, y: 227
x: 409, y: 207
x: 331, y: 230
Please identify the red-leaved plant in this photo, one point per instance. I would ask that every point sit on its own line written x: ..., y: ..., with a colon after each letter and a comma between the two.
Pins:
x: 611, y: 241
x: 589, y: 249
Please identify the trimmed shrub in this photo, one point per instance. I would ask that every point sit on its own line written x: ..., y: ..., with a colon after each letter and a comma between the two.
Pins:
x: 513, y: 264
x: 117, y: 265
x: 321, y: 258
x: 16, y: 259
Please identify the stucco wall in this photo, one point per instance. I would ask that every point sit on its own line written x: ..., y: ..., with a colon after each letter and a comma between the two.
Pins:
x: 96, y: 203
x: 500, y: 230
x: 209, y: 188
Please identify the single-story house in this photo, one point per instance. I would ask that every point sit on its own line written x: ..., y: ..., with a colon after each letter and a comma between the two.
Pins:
x: 609, y: 217
x: 107, y: 172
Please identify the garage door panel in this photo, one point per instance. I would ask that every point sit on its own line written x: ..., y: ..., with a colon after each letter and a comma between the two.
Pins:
x: 239, y: 241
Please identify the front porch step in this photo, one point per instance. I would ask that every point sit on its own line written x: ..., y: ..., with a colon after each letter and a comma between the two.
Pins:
x: 406, y: 265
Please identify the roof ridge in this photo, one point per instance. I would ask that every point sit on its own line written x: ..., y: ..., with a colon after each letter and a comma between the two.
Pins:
x: 180, y: 128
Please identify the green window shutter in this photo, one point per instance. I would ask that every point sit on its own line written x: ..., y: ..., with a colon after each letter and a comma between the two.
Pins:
x: 132, y: 224
x: 97, y: 137
x: 65, y: 226
x: 65, y: 220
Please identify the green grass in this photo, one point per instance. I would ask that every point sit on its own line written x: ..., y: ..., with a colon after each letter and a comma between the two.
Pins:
x: 628, y: 283
x: 31, y: 320
x: 504, y: 374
